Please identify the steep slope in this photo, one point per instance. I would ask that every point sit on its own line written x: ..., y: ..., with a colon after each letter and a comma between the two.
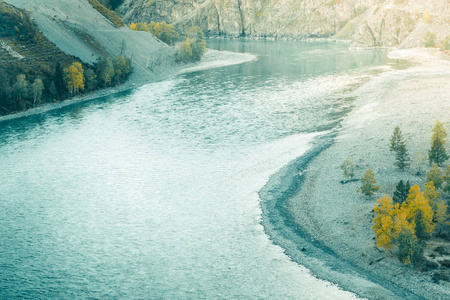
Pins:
x: 367, y: 22
x: 78, y: 29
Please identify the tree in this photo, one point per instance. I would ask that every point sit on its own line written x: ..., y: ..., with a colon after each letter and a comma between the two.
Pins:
x: 435, y: 174
x: 52, y: 90
x: 58, y: 78
x: 348, y: 169
x: 368, y: 183
x: 193, y: 45
x: 74, y: 77
x: 122, y: 68
x: 383, y: 222
x: 398, y: 145
x: 401, y: 192
x: 185, y: 52
x: 91, y: 79
x: 104, y: 71
x: 437, y: 204
x: 419, y: 213
x: 437, y: 153
x: 37, y: 87
x: 396, y: 139
x: 446, y: 186
x: 407, y: 242
x: 420, y: 162
x: 21, y: 91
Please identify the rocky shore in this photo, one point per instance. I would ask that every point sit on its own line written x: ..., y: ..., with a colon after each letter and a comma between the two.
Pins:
x: 326, y: 225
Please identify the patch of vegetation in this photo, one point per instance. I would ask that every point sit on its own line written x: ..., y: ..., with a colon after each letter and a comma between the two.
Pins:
x: 446, y: 42
x: 39, y: 72
x: 403, y: 223
x: 109, y: 14
x: 193, y: 45
x: 164, y: 32
x: 429, y: 39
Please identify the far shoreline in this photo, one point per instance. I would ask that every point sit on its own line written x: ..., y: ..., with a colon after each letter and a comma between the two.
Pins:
x: 211, y: 59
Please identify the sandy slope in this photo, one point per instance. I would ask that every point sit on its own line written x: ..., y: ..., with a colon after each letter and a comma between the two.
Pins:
x: 335, y: 214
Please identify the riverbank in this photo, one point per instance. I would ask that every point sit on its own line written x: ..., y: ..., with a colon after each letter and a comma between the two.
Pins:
x: 211, y: 59
x: 326, y: 225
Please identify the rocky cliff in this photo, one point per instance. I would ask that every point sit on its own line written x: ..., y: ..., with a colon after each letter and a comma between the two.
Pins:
x: 368, y: 22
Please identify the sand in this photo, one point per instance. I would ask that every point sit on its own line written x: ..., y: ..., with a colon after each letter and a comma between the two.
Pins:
x: 326, y: 225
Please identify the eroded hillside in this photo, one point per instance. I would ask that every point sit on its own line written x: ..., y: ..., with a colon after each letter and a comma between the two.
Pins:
x: 78, y: 29
x: 367, y: 22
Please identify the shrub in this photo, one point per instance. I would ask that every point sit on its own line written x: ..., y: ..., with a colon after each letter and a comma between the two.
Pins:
x: 446, y: 42
x: 368, y: 183
x: 193, y: 45
x: 348, y: 169
x: 429, y: 39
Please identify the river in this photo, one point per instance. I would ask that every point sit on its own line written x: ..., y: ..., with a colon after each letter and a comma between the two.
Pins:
x: 153, y: 194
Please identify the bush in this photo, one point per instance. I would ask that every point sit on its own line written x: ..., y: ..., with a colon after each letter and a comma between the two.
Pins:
x: 368, y: 183
x: 429, y: 39
x: 446, y: 42
x: 348, y: 169
x: 193, y: 45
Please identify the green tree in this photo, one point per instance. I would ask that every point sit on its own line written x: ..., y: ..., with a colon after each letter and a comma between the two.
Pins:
x: 368, y: 183
x: 58, y: 79
x: 398, y: 145
x: 122, y: 68
x: 420, y: 162
x: 436, y: 176
x: 409, y: 249
x: 21, y: 88
x: 37, y: 87
x: 429, y: 39
x: 446, y: 42
x: 437, y: 154
x: 348, y: 169
x: 53, y: 92
x: 91, y: 79
x: 401, y: 192
x: 446, y: 186
x: 104, y: 71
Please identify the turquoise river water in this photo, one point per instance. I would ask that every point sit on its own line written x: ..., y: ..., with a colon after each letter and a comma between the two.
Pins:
x: 153, y: 194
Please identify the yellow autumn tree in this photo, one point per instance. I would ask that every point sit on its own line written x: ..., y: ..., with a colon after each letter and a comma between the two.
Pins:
x: 419, y: 212
x: 74, y: 77
x: 437, y: 204
x: 383, y: 223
